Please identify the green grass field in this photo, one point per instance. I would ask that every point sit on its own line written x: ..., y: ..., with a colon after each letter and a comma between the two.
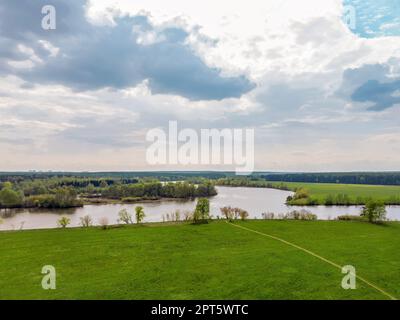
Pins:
x: 214, y: 261
x: 357, y: 193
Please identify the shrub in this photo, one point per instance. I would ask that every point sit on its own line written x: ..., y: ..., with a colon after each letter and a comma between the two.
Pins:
x: 243, y: 214
x: 202, y: 211
x: 131, y: 199
x: 343, y: 199
x: 329, y: 200
x: 301, y: 193
x: 268, y: 215
x: 86, y: 221
x: 63, y: 222
x: 139, y: 214
x: 227, y: 212
x: 234, y: 213
x: 10, y: 198
x: 125, y: 217
x: 348, y: 217
x: 177, y: 215
x: 103, y: 223
x: 374, y: 211
x: 187, y: 215
x: 300, y: 215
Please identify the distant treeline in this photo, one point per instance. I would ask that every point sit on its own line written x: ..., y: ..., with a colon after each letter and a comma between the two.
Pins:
x: 379, y: 178
x: 250, y: 183
x: 82, y: 179
x: 112, y: 176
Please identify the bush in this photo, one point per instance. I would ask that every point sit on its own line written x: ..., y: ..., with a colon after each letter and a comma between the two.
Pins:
x: 86, y: 221
x: 300, y: 215
x: 243, y: 214
x: 268, y: 215
x: 234, y: 213
x: 348, y: 217
x: 125, y: 217
x: 301, y: 193
x: 103, y: 223
x: 202, y: 211
x: 374, y: 211
x: 188, y: 215
x: 63, y: 222
x: 10, y: 198
x: 139, y: 214
x: 227, y: 212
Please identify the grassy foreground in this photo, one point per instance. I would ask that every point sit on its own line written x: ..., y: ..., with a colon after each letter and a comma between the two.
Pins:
x: 354, y: 193
x: 214, y: 261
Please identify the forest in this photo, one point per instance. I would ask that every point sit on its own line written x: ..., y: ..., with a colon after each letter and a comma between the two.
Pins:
x: 68, y: 192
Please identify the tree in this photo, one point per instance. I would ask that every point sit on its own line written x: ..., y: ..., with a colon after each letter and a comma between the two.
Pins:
x: 243, y: 214
x: 10, y: 198
x: 65, y: 197
x: 86, y: 221
x: 301, y: 193
x: 139, y: 214
x: 227, y: 212
x: 374, y: 211
x: 202, y: 211
x: 7, y: 185
x: 90, y: 189
x: 125, y: 217
x: 103, y: 184
x: 103, y: 223
x: 64, y: 222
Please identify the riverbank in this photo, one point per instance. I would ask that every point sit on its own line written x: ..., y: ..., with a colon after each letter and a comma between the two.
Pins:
x: 327, y: 194
x: 212, y: 261
x: 130, y: 200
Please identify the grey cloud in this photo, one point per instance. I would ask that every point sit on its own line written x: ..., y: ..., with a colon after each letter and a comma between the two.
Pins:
x: 372, y: 83
x: 93, y: 57
x: 381, y: 94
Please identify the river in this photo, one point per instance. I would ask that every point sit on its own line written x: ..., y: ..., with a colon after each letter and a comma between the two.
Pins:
x: 254, y: 200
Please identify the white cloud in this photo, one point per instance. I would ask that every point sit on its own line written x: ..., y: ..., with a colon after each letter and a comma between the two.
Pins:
x: 296, y: 53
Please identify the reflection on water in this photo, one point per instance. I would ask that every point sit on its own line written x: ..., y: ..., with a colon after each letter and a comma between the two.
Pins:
x: 255, y: 201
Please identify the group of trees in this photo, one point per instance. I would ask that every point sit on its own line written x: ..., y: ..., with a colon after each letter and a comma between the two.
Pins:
x: 11, y: 197
x: 250, y: 182
x: 234, y: 213
x: 378, y: 178
x: 126, y: 217
x: 65, y: 192
x: 183, y: 190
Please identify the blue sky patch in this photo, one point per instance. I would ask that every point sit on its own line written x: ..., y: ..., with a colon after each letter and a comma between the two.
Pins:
x: 373, y: 18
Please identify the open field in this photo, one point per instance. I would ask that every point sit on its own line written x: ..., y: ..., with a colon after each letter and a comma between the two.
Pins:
x: 354, y: 194
x: 214, y: 261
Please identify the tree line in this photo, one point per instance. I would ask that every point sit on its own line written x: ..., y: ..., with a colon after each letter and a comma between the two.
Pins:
x: 372, y: 178
x: 57, y: 194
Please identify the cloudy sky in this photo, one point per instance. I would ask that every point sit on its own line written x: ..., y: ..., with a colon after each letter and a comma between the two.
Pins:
x: 319, y: 81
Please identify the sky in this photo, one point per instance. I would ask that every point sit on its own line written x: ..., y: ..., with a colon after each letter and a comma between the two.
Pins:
x: 318, y: 81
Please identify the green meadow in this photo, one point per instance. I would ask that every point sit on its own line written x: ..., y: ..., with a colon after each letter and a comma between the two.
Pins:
x: 218, y: 260
x: 345, y: 193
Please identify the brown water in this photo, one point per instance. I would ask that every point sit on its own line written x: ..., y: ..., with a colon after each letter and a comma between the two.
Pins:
x: 255, y: 201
